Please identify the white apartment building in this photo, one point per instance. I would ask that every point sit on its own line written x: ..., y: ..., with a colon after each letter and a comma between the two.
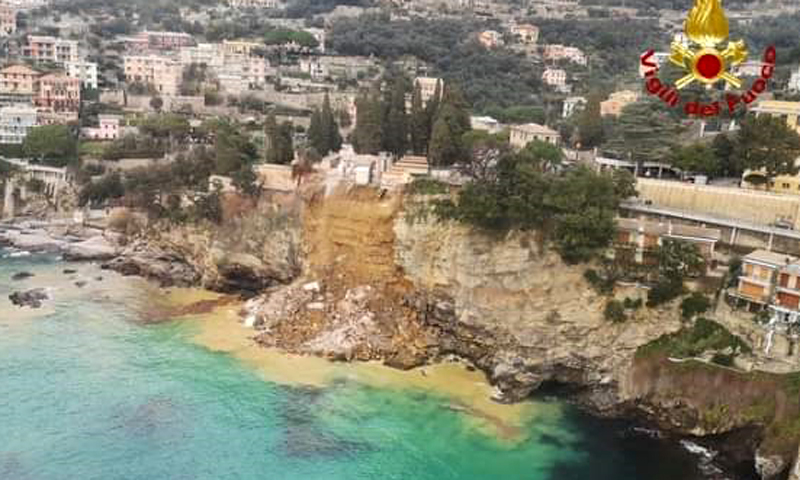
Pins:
x: 555, y: 77
x: 794, y: 81
x: 15, y: 123
x: 571, y: 105
x: 563, y: 52
x: 86, y: 72
x: 427, y: 86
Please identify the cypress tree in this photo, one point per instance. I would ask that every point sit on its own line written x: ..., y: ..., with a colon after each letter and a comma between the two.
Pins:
x: 330, y: 128
x: 441, y: 151
x: 396, y: 137
x: 418, y: 123
x: 590, y: 123
x: 432, y: 107
x: 279, y: 145
x: 316, y: 132
x: 447, y: 145
x: 367, y: 133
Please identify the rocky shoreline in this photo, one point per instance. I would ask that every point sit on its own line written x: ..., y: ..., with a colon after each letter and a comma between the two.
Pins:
x: 402, y: 324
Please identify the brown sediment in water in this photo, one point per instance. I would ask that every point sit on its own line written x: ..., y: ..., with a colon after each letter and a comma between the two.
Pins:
x: 460, y: 389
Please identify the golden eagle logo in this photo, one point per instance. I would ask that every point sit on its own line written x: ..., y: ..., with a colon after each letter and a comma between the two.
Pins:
x: 707, y: 29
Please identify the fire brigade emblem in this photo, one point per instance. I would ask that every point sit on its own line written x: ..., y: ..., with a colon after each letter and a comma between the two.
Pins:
x: 707, y: 59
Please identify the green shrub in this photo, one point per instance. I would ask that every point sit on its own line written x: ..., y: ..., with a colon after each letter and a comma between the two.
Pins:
x: 705, y: 335
x: 665, y: 290
x: 426, y: 186
x: 693, y: 305
x: 615, y: 311
x: 631, y: 304
x: 601, y: 285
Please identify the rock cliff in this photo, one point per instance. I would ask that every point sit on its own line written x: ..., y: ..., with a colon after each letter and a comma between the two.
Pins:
x: 516, y: 310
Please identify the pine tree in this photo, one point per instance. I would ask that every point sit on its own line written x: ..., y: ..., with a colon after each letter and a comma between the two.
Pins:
x: 396, y: 136
x: 418, y: 127
x: 367, y: 134
x: 316, y: 132
x: 330, y: 129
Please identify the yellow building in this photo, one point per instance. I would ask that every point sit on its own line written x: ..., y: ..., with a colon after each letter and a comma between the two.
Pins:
x: 790, y: 112
x: 617, y: 101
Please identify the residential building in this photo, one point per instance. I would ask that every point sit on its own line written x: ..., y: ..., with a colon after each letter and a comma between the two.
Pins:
x: 521, y: 135
x: 640, y: 239
x: 794, y: 81
x: 571, y: 105
x: 555, y: 77
x: 15, y: 123
x: 86, y: 72
x: 319, y: 36
x: 771, y: 280
x: 789, y: 111
x: 750, y: 68
x: 18, y: 80
x: 486, y: 124
x: 51, y: 49
x: 8, y: 20
x: 617, y: 101
x: 164, y: 74
x: 526, y: 33
x: 254, y: 3
x: 313, y: 67
x: 427, y: 86
x: 164, y: 40
x: 563, y: 52
x: 59, y: 93
x: 490, y: 38
x: 108, y: 128
x: 208, y: 54
x: 240, y: 47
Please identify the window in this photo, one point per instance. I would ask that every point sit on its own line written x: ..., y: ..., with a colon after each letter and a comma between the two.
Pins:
x: 786, y: 185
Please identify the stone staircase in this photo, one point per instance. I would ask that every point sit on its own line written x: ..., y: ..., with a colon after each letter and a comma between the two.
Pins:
x: 403, y: 171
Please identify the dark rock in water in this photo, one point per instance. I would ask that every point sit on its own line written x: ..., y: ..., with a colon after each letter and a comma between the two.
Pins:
x: 21, y: 276
x: 167, y: 270
x: 98, y: 279
x: 80, y: 284
x: 69, y: 271
x: 31, y: 298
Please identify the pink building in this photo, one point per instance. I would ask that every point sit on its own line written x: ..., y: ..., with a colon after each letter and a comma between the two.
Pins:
x: 8, y: 20
x: 59, y: 93
x: 108, y: 128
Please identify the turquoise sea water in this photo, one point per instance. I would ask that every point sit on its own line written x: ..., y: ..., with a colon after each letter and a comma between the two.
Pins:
x: 88, y: 391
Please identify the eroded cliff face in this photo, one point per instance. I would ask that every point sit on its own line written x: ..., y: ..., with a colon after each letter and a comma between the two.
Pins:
x: 245, y: 254
x: 515, y: 309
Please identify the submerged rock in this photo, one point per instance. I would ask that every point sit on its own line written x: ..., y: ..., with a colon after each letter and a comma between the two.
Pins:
x: 95, y: 248
x: 31, y: 298
x: 21, y: 276
x: 69, y: 271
